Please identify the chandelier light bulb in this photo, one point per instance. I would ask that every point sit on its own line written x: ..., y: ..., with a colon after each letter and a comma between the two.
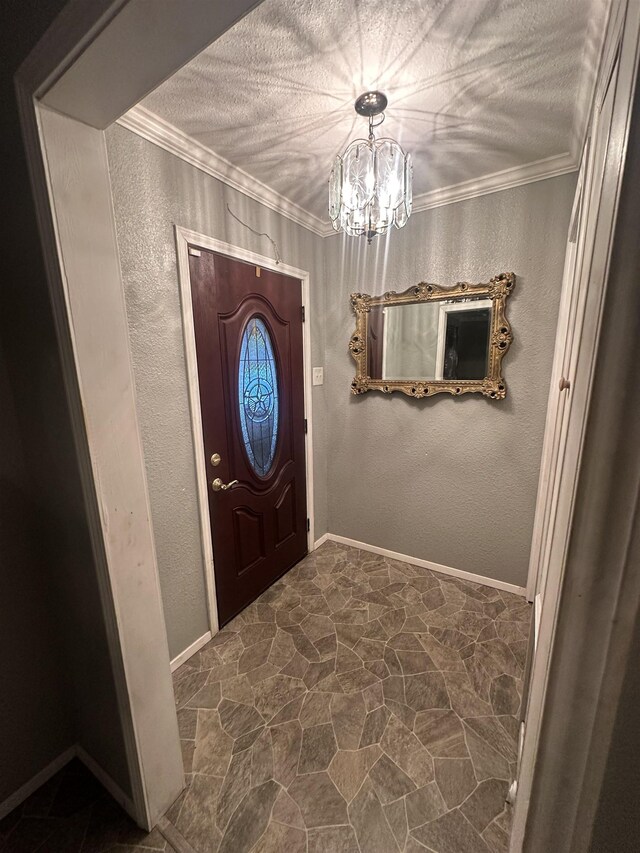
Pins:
x: 370, y: 186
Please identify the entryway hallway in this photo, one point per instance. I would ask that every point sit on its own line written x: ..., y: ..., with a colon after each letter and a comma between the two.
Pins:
x: 360, y: 705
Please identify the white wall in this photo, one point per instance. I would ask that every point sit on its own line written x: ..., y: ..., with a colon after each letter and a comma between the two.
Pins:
x: 451, y: 480
x: 152, y: 191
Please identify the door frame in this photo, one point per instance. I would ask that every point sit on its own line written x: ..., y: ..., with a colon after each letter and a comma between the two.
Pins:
x: 570, y: 339
x: 551, y: 451
x: 185, y: 236
x: 572, y: 619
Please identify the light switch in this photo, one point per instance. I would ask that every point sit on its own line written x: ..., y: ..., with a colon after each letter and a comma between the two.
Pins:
x: 318, y: 375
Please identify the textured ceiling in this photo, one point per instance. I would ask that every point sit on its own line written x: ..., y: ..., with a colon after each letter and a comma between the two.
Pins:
x: 474, y: 86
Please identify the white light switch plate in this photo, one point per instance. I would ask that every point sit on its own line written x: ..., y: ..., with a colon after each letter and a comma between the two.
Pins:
x: 318, y: 375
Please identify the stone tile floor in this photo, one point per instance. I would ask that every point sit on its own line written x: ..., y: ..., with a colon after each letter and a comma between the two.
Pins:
x: 72, y: 813
x: 361, y: 705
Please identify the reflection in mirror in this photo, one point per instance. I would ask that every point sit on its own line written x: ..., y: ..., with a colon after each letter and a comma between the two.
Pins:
x: 429, y: 339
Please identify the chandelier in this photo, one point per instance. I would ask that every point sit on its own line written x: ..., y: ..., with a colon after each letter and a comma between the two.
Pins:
x: 370, y: 183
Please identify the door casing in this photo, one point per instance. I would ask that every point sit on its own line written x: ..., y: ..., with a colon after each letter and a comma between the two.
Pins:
x: 184, y: 237
x: 592, y: 621
x: 570, y: 339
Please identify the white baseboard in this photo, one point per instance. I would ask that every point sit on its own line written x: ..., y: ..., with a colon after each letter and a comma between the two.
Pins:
x: 403, y: 558
x: 426, y: 564
x: 24, y: 791
x: 76, y: 751
x: 320, y: 541
x: 190, y: 650
x: 106, y: 781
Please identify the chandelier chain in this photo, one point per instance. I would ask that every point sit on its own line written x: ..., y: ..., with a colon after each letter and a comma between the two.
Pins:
x: 373, y: 125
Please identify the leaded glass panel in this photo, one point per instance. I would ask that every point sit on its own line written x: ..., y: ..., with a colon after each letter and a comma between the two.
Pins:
x: 258, y: 397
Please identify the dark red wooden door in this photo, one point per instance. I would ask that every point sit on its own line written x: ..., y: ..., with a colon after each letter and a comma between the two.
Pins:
x: 248, y: 331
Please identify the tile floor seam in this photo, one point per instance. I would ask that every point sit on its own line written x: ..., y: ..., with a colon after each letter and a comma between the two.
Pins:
x: 174, y: 837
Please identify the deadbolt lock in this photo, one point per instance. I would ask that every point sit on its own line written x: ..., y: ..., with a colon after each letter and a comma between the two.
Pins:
x: 216, y: 459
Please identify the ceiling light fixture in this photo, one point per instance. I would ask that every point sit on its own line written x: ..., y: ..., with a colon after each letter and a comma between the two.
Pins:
x: 370, y: 183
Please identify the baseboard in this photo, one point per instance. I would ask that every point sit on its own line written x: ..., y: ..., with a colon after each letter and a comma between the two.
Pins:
x: 184, y: 656
x: 76, y: 751
x: 427, y: 564
x: 403, y: 558
x: 320, y: 541
x: 24, y: 791
x: 106, y: 781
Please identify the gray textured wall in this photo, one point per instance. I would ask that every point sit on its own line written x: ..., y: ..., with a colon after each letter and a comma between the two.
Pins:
x: 449, y: 480
x: 154, y: 190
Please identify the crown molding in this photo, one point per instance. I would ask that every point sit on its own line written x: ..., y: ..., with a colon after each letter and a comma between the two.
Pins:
x: 154, y: 129
x: 506, y: 179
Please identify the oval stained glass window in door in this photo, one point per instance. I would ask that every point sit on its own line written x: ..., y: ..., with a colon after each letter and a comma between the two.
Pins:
x: 258, y: 396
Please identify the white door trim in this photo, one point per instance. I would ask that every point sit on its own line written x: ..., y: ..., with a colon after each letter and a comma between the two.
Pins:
x: 110, y: 449
x: 184, y: 236
x: 571, y: 340
x: 551, y: 454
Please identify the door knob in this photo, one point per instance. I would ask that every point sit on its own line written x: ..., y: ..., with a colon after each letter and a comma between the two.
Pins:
x: 219, y: 486
x: 564, y: 384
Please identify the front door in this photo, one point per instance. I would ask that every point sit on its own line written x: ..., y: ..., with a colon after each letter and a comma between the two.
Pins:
x: 248, y: 333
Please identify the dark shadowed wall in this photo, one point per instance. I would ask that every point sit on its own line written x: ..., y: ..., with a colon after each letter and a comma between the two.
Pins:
x: 56, y: 683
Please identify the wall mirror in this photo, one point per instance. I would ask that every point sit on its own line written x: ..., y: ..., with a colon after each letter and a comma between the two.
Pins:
x: 430, y: 339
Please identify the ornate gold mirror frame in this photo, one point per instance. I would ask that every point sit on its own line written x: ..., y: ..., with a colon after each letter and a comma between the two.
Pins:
x: 500, y: 338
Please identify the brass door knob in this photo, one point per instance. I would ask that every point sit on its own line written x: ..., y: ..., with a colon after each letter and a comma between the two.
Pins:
x: 219, y: 486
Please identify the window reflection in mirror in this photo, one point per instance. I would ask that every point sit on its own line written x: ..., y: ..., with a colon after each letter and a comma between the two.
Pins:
x: 446, y: 339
